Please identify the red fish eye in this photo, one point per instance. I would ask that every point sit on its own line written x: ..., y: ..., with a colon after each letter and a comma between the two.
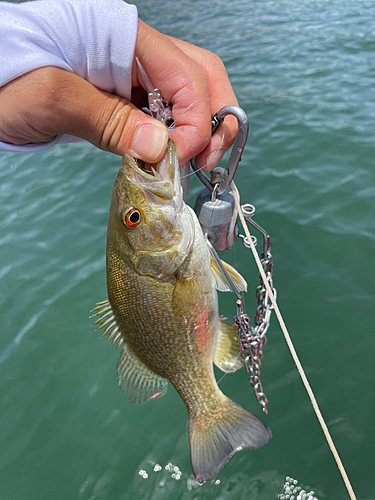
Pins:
x: 131, y: 217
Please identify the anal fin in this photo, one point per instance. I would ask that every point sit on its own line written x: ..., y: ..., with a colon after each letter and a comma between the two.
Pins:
x: 228, y: 352
x: 138, y: 382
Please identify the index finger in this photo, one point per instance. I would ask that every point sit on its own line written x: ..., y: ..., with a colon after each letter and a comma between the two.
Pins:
x: 183, y: 82
x: 221, y: 94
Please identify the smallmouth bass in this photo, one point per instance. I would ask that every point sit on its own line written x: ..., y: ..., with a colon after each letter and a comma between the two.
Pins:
x: 162, y: 310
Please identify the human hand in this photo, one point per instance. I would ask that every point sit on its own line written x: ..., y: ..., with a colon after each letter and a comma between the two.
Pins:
x: 50, y: 101
x: 196, y: 83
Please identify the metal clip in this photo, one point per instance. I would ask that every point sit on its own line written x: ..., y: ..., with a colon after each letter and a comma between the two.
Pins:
x: 236, y: 151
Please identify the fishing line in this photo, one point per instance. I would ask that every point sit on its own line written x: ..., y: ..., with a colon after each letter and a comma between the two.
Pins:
x: 221, y: 378
x: 191, y: 173
x: 212, y: 152
x: 292, y: 349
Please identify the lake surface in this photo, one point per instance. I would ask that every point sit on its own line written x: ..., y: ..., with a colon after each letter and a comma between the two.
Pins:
x: 304, y: 72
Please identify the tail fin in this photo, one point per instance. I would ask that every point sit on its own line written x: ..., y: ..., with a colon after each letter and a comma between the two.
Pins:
x: 212, y: 444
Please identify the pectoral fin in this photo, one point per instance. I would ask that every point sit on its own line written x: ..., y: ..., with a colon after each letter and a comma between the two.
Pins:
x: 137, y: 381
x: 220, y: 280
x: 185, y: 295
x: 228, y: 353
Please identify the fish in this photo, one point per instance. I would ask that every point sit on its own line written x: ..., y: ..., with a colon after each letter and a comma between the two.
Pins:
x: 162, y: 311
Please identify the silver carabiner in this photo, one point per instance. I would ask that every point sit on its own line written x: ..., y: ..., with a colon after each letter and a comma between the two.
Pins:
x: 236, y: 151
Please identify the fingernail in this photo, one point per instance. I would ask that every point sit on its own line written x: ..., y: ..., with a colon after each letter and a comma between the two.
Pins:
x: 217, y: 149
x: 149, y: 141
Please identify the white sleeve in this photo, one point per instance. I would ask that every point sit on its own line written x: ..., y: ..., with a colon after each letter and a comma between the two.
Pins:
x: 94, y: 39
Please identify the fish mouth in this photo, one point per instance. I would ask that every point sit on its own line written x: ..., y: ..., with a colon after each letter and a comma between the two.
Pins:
x: 160, y: 179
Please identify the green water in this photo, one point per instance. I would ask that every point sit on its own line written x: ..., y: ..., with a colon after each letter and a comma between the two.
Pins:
x: 304, y: 71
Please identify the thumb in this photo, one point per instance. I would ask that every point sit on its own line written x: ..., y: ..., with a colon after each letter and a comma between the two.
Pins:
x: 50, y: 101
x: 112, y: 123
x: 116, y: 125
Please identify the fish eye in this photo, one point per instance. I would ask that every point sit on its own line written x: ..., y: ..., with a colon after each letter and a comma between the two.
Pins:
x: 131, y: 217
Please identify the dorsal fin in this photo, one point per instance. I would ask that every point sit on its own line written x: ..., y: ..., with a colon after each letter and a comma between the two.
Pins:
x: 138, y: 382
x: 107, y: 321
